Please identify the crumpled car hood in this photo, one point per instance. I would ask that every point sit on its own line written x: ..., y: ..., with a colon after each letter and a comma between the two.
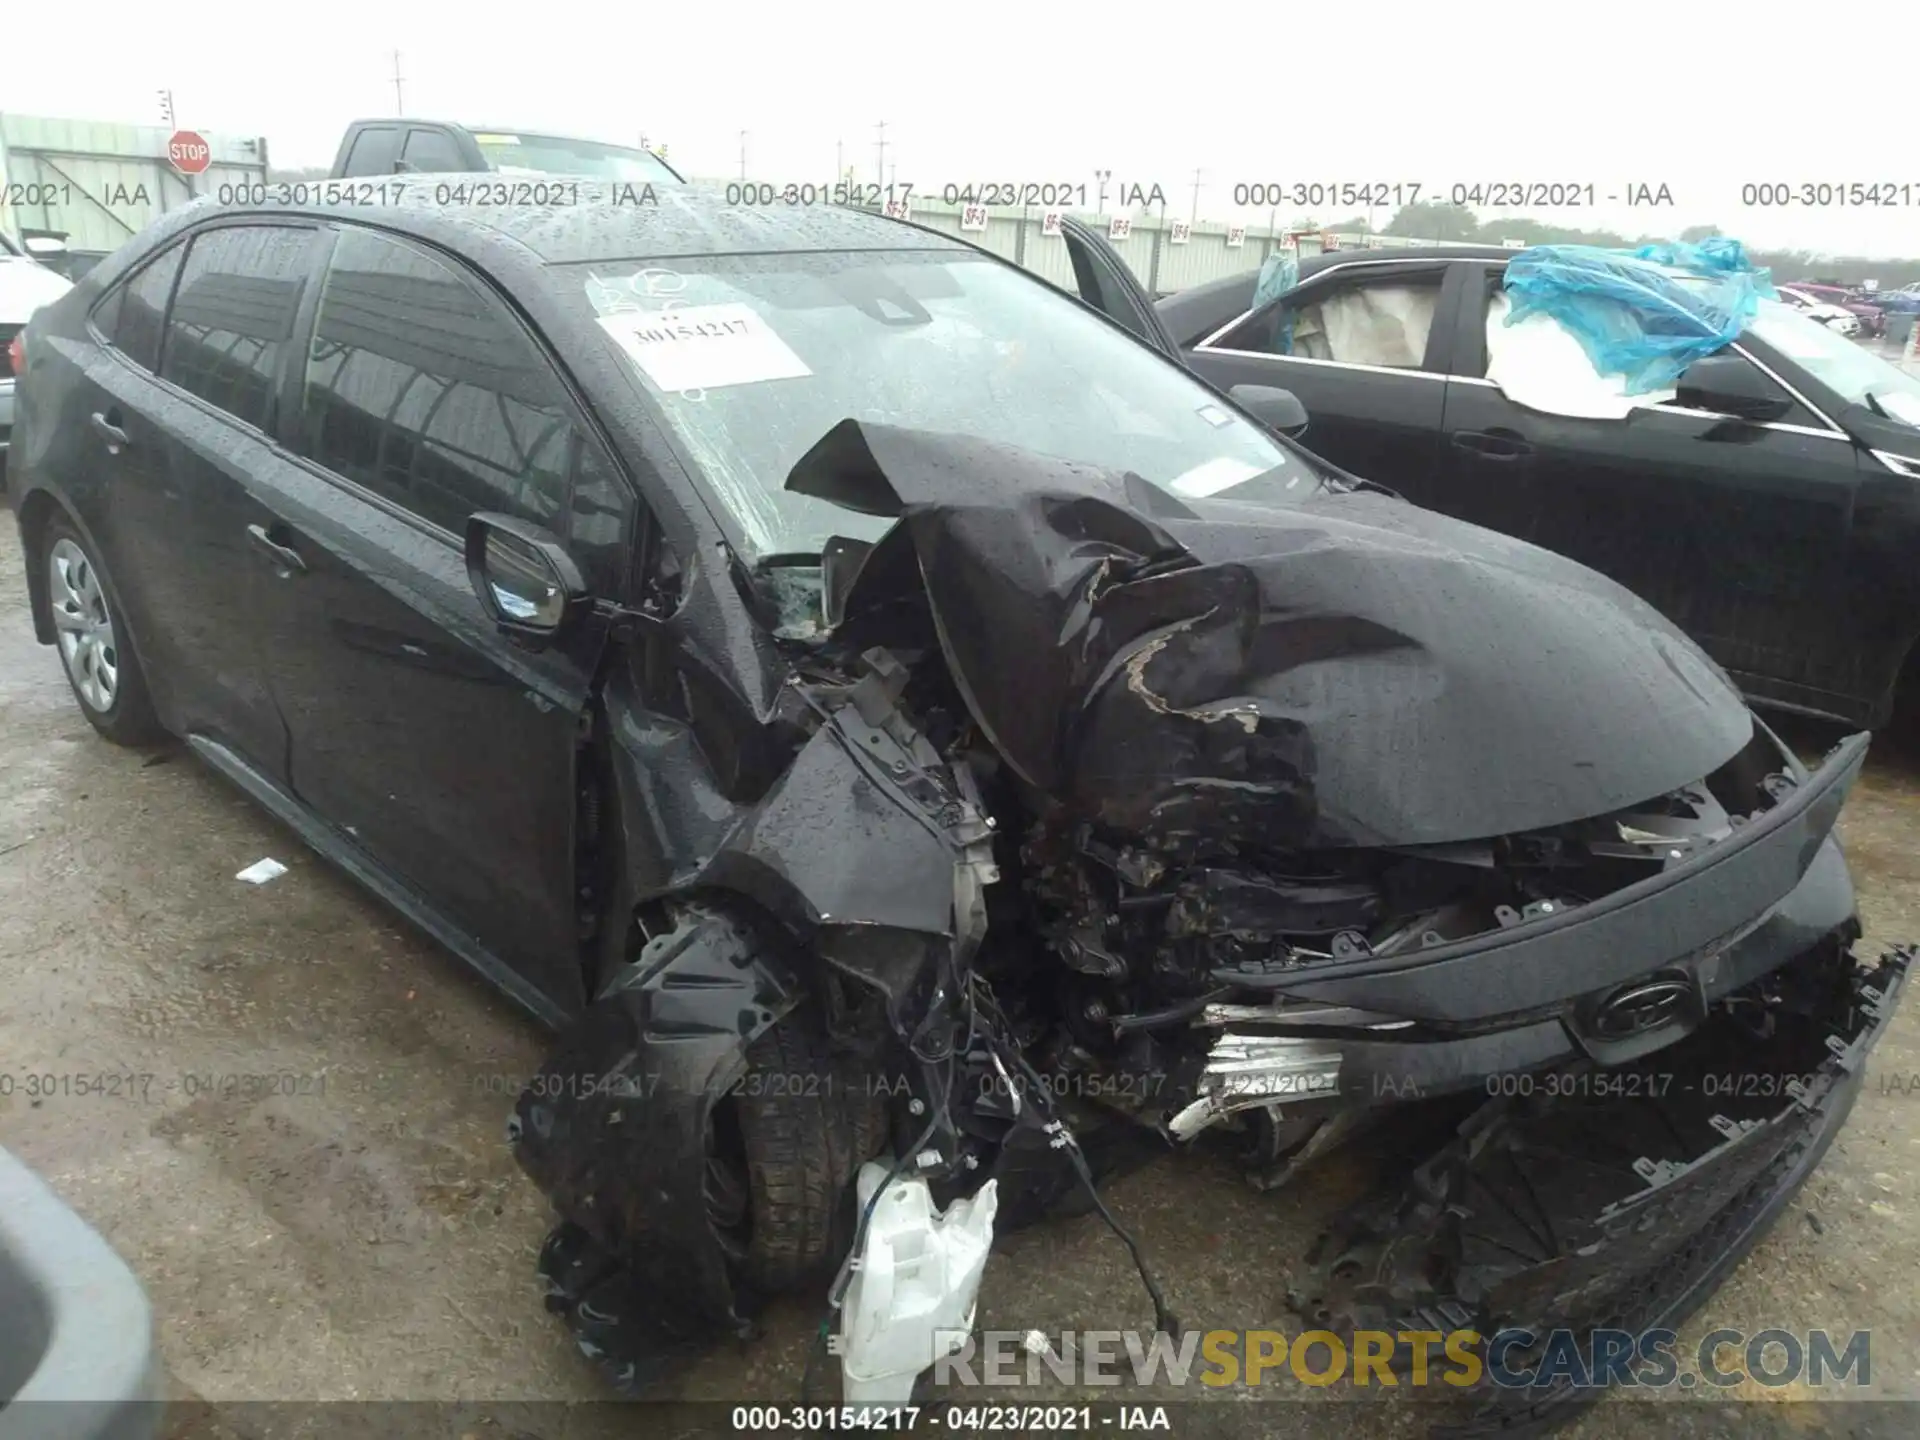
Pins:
x: 1349, y: 670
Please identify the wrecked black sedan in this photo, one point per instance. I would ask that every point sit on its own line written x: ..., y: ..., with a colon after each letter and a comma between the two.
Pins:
x: 924, y: 749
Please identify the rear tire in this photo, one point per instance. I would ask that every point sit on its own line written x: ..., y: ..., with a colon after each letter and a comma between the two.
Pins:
x: 91, y: 635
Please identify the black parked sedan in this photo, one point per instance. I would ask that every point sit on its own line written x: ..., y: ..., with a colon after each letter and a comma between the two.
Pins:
x: 876, y: 704
x: 1770, y: 505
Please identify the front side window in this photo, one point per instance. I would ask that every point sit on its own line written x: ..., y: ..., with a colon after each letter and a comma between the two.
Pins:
x: 233, y: 313
x: 752, y: 358
x: 374, y: 151
x: 432, y: 151
x: 421, y: 388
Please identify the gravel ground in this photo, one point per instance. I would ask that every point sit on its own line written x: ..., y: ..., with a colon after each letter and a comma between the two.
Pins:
x: 366, y: 1237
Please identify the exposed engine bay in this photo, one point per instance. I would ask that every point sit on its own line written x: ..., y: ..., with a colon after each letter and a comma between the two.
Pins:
x: 1119, y: 824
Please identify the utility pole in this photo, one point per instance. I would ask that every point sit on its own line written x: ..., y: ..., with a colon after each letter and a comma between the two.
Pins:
x: 880, y: 154
x: 399, y: 99
x: 839, y: 161
x: 166, y: 110
x: 1193, y: 216
x: 743, y: 155
x: 1102, y: 176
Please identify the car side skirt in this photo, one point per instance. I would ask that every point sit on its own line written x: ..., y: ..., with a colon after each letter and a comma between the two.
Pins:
x: 330, y: 844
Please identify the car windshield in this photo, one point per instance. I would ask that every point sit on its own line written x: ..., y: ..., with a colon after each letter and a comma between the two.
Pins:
x: 561, y: 155
x: 754, y: 357
x: 1850, y: 370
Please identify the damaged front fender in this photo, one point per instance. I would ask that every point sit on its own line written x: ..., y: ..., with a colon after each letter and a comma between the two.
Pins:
x: 616, y: 1127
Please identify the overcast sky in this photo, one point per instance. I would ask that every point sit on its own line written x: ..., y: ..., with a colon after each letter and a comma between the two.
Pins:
x: 1029, y: 92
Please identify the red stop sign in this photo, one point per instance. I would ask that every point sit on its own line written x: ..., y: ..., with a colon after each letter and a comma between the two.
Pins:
x: 188, y: 152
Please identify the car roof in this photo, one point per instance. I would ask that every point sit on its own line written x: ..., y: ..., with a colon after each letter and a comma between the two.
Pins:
x: 1313, y: 264
x: 475, y: 128
x: 604, y: 221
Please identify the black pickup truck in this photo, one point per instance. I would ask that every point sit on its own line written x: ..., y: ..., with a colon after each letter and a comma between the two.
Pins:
x: 397, y: 146
x: 1769, y: 502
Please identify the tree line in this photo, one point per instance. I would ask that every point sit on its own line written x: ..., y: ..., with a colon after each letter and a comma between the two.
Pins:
x: 1431, y: 221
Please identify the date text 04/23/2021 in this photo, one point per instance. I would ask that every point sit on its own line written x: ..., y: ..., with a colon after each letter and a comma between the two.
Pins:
x: 966, y: 1419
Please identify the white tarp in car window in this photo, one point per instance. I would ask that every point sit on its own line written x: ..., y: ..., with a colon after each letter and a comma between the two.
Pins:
x: 1540, y: 365
x: 1377, y: 325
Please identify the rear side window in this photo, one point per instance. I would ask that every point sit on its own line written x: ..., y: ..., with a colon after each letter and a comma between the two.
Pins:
x: 374, y: 151
x: 133, y: 315
x: 432, y: 150
x: 233, y: 313
x: 422, y: 388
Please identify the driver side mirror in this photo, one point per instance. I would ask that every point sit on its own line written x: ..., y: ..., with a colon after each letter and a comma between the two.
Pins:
x: 1275, y: 408
x: 1731, y: 385
x: 527, y: 583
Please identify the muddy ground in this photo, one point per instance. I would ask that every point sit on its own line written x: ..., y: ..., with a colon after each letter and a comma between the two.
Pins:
x: 367, y: 1236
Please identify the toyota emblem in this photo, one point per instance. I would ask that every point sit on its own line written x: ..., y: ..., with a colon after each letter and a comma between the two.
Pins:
x: 1639, y: 1008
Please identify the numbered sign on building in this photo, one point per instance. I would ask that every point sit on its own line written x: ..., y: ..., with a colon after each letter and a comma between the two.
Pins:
x: 1050, y: 222
x: 898, y: 210
x: 1120, y: 227
x: 1182, y: 232
x: 973, y: 217
x: 1236, y: 236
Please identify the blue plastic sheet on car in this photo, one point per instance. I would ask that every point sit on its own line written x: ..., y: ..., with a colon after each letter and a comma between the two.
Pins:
x: 1716, y: 254
x: 1632, y: 314
x: 1279, y: 273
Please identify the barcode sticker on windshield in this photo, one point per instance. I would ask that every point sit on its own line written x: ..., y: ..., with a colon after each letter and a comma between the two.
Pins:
x: 704, y: 347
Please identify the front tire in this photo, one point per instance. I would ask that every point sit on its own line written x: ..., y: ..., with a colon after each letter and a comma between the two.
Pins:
x: 788, y: 1127
x: 91, y: 636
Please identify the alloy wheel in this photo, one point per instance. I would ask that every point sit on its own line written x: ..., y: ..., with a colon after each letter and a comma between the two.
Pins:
x: 88, y: 646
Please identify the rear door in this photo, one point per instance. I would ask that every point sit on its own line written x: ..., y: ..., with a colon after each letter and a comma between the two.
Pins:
x: 1358, y: 344
x: 191, y: 444
x: 1737, y: 531
x: 440, y: 749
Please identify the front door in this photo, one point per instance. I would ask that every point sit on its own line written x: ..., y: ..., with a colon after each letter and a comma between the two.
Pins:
x: 1736, y: 531
x: 1360, y: 346
x: 440, y: 749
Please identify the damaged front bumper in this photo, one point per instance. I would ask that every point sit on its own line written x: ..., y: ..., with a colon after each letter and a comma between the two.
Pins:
x: 1618, y: 1200
x: 1606, y: 983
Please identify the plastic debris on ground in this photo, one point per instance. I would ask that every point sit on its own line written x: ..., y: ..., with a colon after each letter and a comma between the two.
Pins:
x: 261, y: 871
x: 1647, y: 314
